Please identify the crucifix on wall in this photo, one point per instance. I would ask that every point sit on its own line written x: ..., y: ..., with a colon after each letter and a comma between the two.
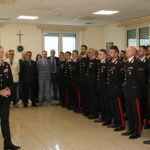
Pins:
x: 20, y: 48
x: 20, y: 36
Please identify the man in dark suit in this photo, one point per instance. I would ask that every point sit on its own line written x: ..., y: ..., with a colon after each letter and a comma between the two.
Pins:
x: 21, y: 61
x: 54, y: 79
x: 29, y: 74
x: 6, y: 84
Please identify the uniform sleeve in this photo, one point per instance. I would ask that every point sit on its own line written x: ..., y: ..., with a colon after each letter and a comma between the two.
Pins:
x: 141, y: 74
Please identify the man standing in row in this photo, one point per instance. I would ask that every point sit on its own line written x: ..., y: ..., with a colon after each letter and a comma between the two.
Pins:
x: 15, y: 68
x: 133, y: 84
x: 6, y: 85
x: 29, y: 73
x: 44, y: 78
x: 54, y: 79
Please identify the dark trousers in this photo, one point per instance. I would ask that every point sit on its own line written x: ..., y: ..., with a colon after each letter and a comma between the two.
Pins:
x: 4, y: 116
x: 15, y: 93
x: 62, y: 93
x: 145, y: 108
x: 54, y: 85
x: 29, y: 93
x: 92, y: 99
x: 103, y: 106
x: 83, y: 96
x: 21, y: 90
x: 134, y: 114
x: 117, y: 111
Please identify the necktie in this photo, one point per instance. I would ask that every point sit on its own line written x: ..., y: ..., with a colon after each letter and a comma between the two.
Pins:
x: 53, y: 65
x: 11, y: 62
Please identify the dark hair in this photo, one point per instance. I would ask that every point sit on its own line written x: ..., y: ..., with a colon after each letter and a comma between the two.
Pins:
x: 75, y: 51
x: 85, y: 46
x: 148, y: 46
x: 1, y: 46
x: 144, y: 47
x: 68, y: 53
x: 123, y: 51
x: 38, y: 56
x: 29, y: 52
x: 11, y: 50
x: 61, y: 53
x: 103, y: 50
x: 115, y: 48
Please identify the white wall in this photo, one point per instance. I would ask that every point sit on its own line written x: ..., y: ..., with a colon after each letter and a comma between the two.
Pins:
x: 115, y: 34
x: 32, y: 39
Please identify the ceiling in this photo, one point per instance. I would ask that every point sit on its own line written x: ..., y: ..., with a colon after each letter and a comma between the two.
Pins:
x: 73, y: 12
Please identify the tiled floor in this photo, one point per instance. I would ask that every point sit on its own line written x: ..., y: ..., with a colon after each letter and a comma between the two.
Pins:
x: 55, y: 128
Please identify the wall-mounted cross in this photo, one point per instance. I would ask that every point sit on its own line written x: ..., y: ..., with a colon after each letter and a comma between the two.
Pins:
x: 20, y: 35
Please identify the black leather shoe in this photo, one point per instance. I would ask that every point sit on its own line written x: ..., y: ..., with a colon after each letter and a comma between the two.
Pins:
x: 112, y: 126
x: 134, y: 136
x: 127, y: 133
x: 12, y: 147
x: 146, y: 142
x: 106, y: 124
x: 99, y: 120
x: 118, y: 129
x: 92, y: 117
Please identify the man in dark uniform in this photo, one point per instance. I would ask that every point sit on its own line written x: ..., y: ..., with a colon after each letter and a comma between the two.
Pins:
x: 102, y: 87
x: 144, y: 100
x: 115, y: 79
x: 6, y: 83
x: 73, y: 77
x: 82, y: 85
x: 133, y: 84
x: 67, y: 79
x: 91, y: 76
x: 61, y: 78
x: 148, y: 142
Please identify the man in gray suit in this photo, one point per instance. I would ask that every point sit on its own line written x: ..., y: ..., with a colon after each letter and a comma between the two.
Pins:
x: 44, y: 78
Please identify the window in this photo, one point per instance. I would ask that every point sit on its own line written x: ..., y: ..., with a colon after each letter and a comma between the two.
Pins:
x: 51, y: 42
x: 69, y: 42
x: 144, y: 36
x: 60, y: 42
x: 131, y: 37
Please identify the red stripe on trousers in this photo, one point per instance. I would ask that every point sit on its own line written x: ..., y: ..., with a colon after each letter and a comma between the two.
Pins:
x: 79, y: 98
x: 121, y: 112
x: 66, y: 96
x: 139, y: 115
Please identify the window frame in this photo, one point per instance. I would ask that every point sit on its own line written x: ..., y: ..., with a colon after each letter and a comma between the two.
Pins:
x: 61, y: 32
x: 137, y: 27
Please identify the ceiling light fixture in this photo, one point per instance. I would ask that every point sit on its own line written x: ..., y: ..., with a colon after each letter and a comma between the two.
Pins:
x: 106, y: 12
x: 28, y: 17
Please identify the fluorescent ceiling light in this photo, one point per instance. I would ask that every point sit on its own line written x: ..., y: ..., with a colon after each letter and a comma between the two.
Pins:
x: 28, y: 17
x: 106, y: 12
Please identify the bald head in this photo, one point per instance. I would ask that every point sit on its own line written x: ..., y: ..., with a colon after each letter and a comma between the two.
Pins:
x: 91, y: 53
x: 131, y: 51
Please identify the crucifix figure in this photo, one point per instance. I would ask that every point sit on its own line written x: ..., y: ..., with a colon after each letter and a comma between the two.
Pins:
x: 20, y: 35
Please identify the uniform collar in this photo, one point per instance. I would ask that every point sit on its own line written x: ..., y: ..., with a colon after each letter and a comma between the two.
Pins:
x: 69, y: 60
x: 103, y: 61
x: 130, y: 59
x: 143, y: 58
